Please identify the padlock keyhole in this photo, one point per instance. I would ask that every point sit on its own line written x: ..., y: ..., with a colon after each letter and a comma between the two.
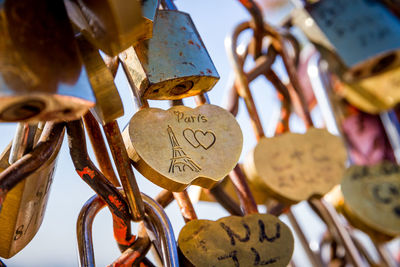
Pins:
x: 23, y: 111
x: 182, y: 88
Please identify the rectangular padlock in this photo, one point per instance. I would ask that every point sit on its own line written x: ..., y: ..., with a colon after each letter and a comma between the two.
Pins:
x: 173, y: 64
x: 113, y: 25
x: 360, y: 38
x: 24, y: 206
x: 41, y: 74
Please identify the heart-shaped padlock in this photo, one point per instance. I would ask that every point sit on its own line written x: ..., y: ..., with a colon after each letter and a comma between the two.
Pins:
x: 181, y: 146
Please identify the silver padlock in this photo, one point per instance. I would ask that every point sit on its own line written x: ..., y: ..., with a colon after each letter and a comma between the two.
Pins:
x: 41, y: 74
x: 157, y: 224
x: 359, y: 38
x: 173, y: 64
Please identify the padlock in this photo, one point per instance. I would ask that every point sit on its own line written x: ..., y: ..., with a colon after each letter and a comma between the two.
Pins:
x: 113, y: 25
x: 157, y: 223
x: 173, y: 64
x: 370, y: 199
x: 108, y: 101
x: 374, y: 94
x: 359, y: 38
x: 252, y: 240
x: 24, y: 206
x: 41, y: 75
x: 181, y: 146
x: 299, y: 165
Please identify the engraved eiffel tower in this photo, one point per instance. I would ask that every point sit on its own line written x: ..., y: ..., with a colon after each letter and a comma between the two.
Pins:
x: 179, y: 158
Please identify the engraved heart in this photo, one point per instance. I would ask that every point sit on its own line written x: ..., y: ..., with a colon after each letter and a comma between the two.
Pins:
x: 189, y: 136
x: 372, y: 197
x: 164, y: 145
x: 205, y: 139
x: 293, y: 167
x: 252, y: 240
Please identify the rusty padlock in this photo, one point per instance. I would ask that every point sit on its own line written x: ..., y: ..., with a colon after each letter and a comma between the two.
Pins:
x: 24, y: 206
x: 173, y: 64
x: 360, y: 38
x: 113, y: 25
x: 41, y: 74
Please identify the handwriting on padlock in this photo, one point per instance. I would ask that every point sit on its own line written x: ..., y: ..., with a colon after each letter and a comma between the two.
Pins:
x: 176, y: 147
x: 199, y: 138
x: 297, y: 166
x: 253, y: 240
x: 372, y: 193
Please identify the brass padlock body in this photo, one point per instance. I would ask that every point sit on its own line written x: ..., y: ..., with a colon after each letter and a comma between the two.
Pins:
x: 108, y: 101
x: 41, y: 74
x: 24, y: 206
x: 360, y: 38
x: 173, y: 64
x: 113, y: 25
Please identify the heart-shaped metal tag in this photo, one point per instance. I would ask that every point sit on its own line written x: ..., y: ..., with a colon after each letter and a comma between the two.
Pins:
x: 293, y: 167
x: 372, y: 196
x: 253, y: 240
x: 181, y: 146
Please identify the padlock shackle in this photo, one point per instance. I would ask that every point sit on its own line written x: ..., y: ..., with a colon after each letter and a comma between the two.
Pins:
x: 96, y: 180
x: 242, y: 82
x: 155, y: 216
x: 31, y: 162
x: 99, y: 148
x: 23, y: 140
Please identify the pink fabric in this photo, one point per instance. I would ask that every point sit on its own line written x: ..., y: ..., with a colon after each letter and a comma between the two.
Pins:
x: 367, y: 140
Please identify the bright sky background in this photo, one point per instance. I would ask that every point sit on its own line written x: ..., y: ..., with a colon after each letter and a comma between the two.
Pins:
x: 55, y: 243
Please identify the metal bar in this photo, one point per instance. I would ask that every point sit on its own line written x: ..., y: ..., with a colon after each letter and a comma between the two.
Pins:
x: 243, y: 191
x: 218, y: 193
x: 331, y: 218
x: 96, y: 180
x: 185, y: 205
x: 242, y: 82
x: 124, y: 168
x: 99, y: 148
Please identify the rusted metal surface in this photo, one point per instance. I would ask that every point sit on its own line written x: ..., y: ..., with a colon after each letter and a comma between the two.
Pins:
x: 243, y: 84
x: 164, y: 198
x: 242, y: 188
x: 99, y: 148
x: 32, y: 161
x: 185, y: 205
x: 124, y: 168
x: 99, y: 183
x: 258, y: 25
x: 136, y: 253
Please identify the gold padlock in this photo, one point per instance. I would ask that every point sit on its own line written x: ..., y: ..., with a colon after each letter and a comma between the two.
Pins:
x: 108, y: 101
x: 173, y: 64
x: 24, y: 206
x: 252, y: 240
x: 41, y: 74
x: 369, y: 199
x: 181, y: 146
x: 375, y: 94
x: 299, y: 165
x: 113, y: 25
x: 357, y: 44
